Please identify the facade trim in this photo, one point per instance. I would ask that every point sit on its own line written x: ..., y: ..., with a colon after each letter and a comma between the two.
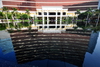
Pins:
x: 81, y: 6
x: 50, y: 2
x: 64, y: 7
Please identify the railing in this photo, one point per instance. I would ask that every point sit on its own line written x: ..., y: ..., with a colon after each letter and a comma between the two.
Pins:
x: 51, y: 16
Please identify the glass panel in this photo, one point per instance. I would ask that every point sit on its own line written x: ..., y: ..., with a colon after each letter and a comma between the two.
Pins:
x: 52, y: 13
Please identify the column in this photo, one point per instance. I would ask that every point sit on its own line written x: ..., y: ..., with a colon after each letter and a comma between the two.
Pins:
x: 56, y: 19
x: 47, y: 19
x: 60, y: 19
x: 66, y: 19
x: 72, y: 21
x: 43, y: 19
x: 36, y: 18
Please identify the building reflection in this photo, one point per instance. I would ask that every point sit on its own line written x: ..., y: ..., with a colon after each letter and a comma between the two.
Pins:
x: 93, y: 42
x: 69, y: 46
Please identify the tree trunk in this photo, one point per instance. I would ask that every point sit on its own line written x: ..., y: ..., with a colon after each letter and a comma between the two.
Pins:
x: 73, y: 21
x: 66, y: 21
x: 2, y: 21
x: 98, y: 20
x: 87, y: 20
x: 28, y: 20
x: 76, y: 20
x: 13, y: 20
x: 7, y: 20
x: 17, y: 19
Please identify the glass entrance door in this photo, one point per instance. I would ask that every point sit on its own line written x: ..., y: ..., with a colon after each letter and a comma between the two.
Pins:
x: 52, y: 20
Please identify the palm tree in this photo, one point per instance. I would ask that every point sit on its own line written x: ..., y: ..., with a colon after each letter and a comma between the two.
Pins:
x: 77, y: 13
x: 1, y: 17
x: 12, y: 17
x: 88, y: 14
x: 5, y: 9
x: 27, y: 12
x: 36, y: 20
x: 14, y: 13
x: 98, y: 13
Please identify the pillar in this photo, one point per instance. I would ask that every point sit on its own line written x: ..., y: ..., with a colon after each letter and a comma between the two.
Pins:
x: 43, y: 19
x: 47, y: 19
x: 60, y: 19
x: 56, y: 20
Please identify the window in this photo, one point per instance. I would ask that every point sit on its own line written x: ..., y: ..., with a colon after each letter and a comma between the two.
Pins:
x: 58, y: 13
x: 64, y: 13
x: 45, y: 13
x: 52, y: 13
x: 39, y: 13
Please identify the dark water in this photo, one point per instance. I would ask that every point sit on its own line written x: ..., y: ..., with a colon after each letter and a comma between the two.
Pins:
x: 93, y: 60
x: 8, y: 59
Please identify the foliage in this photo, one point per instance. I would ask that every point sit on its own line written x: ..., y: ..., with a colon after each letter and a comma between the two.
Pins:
x: 75, y: 27
x: 84, y: 15
x: 69, y: 20
x: 14, y: 9
x: 18, y: 15
x: 11, y: 25
x: 24, y: 16
x: 96, y: 12
x: 95, y: 29
x: 90, y: 20
x: 9, y: 15
x: 81, y: 24
x: 27, y: 11
x: 77, y: 11
x: 4, y: 9
x: 83, y: 20
x: 2, y: 26
x: 1, y: 15
x: 25, y: 24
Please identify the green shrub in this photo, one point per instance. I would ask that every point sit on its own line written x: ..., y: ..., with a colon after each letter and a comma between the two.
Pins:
x: 2, y: 26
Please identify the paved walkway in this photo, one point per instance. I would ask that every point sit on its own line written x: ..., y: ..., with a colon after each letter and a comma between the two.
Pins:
x: 4, y: 34
x: 53, y: 30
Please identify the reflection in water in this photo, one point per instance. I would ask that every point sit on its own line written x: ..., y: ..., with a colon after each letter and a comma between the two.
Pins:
x: 64, y: 47
x: 6, y: 45
x: 93, y: 42
x: 91, y: 60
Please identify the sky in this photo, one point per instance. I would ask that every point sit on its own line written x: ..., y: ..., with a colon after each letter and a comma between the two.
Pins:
x: 0, y: 3
x: 93, y: 60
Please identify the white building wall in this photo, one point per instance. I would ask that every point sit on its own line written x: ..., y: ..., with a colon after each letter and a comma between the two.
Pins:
x: 52, y: 7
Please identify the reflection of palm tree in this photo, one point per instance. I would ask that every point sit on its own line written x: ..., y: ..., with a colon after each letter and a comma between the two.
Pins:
x: 14, y: 13
x: 27, y: 12
x: 1, y: 17
x: 98, y: 13
x: 77, y: 13
x: 5, y: 9
x: 35, y: 20
x: 88, y: 13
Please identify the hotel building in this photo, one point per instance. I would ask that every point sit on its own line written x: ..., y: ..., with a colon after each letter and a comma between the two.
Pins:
x: 51, y: 12
x: 66, y: 47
